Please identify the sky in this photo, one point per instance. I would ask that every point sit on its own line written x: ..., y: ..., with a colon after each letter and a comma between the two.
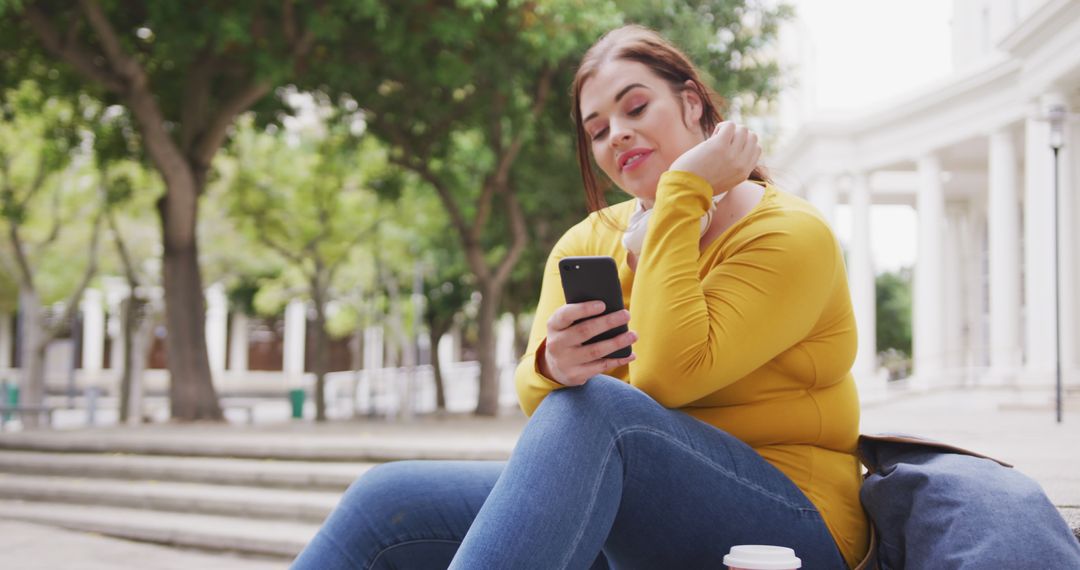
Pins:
x: 863, y: 54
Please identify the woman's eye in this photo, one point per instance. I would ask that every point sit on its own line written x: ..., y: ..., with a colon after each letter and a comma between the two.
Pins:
x: 599, y: 134
x: 637, y: 110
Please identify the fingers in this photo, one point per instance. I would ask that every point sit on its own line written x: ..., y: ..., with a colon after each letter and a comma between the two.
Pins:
x: 599, y: 350
x: 603, y: 365
x: 588, y: 329
x: 724, y: 131
x: 568, y: 314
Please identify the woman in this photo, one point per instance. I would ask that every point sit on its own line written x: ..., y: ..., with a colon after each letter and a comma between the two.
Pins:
x: 734, y: 420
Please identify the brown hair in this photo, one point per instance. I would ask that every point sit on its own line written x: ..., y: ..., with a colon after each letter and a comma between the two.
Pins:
x: 640, y: 44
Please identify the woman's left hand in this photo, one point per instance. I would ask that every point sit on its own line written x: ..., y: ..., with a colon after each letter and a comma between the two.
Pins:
x: 724, y: 159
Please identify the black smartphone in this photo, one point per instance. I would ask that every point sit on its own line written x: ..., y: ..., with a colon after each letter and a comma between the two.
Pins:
x: 594, y: 278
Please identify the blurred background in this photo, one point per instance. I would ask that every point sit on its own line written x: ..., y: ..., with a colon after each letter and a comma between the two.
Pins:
x: 345, y: 209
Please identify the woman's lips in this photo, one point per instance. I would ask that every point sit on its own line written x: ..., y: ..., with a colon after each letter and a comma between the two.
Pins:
x: 635, y: 161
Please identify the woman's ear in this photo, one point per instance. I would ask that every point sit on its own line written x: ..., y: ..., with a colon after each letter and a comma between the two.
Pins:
x: 693, y: 106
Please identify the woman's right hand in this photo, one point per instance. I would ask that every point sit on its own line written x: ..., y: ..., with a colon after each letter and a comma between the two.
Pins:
x: 724, y: 159
x: 567, y: 360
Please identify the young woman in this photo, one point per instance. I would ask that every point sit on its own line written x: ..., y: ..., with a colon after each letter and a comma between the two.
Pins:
x: 735, y: 419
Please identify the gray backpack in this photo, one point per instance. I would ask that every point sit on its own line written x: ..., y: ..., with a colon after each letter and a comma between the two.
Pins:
x: 937, y: 506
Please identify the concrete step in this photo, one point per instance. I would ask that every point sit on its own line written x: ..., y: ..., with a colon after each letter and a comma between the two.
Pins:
x: 241, y: 502
x: 220, y: 471
x: 347, y: 447
x: 206, y: 532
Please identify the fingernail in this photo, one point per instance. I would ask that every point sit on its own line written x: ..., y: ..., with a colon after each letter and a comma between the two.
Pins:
x: 598, y: 306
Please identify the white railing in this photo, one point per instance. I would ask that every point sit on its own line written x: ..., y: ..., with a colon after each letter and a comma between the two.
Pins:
x: 403, y: 391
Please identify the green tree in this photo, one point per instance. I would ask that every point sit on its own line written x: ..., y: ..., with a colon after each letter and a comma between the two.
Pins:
x: 185, y: 72
x: 893, y: 301
x: 307, y: 202
x: 459, y: 91
x: 42, y: 191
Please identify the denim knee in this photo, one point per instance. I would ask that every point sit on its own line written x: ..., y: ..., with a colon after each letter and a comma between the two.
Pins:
x: 602, y: 397
x: 377, y: 492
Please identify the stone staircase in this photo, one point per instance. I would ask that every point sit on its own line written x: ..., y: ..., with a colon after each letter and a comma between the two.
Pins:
x: 266, y: 507
x: 262, y: 500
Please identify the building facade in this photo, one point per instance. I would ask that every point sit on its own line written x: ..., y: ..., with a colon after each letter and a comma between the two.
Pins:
x: 973, y: 156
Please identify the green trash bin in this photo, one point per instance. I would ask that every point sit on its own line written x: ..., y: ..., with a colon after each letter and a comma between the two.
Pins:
x: 11, y: 398
x: 296, y: 398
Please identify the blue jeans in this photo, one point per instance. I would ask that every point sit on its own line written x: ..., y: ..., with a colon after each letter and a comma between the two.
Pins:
x: 602, y: 476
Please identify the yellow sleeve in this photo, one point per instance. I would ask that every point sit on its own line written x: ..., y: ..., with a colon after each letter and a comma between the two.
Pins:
x: 532, y: 386
x: 700, y: 335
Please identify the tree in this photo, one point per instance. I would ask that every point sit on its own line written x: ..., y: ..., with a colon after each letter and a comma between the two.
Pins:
x: 185, y: 73
x: 893, y: 301
x: 459, y: 90
x: 41, y: 192
x: 308, y: 203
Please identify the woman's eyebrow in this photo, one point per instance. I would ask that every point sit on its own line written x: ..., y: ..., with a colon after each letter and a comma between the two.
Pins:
x: 618, y: 96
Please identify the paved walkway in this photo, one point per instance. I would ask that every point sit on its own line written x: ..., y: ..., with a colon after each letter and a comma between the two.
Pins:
x: 1019, y: 430
x: 29, y: 546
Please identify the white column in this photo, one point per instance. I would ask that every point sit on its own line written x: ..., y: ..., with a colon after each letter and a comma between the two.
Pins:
x: 1070, y: 251
x: 93, y: 338
x: 1039, y: 340
x: 238, y: 344
x: 822, y: 195
x: 1003, y: 216
x: 446, y: 350
x: 6, y: 340
x: 927, y: 311
x: 217, y: 319
x: 954, y: 337
x: 373, y: 348
x: 861, y: 280
x: 295, y: 329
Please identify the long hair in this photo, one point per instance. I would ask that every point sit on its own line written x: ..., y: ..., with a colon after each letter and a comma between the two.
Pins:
x: 640, y: 44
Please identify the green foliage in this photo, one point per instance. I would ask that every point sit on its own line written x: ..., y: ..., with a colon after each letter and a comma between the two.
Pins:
x: 46, y: 189
x: 893, y: 297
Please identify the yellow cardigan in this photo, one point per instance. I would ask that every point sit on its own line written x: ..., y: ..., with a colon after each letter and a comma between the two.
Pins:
x: 755, y: 335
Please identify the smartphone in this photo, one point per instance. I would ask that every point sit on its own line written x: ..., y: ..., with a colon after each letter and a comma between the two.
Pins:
x: 594, y: 278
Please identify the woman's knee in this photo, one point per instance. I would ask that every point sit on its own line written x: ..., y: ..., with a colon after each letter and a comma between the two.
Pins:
x: 382, y: 488
x: 600, y: 397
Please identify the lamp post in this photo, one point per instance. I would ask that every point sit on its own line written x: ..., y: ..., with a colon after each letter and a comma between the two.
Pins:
x: 1056, y: 114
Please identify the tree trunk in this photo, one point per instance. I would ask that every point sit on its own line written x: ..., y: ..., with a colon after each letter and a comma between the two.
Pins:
x: 191, y: 391
x: 319, y: 297
x: 33, y: 355
x: 488, y: 399
x: 435, y: 334
x: 127, y: 312
x: 521, y: 336
x: 137, y: 321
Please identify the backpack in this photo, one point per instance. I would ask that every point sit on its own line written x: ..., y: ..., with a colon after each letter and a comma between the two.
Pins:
x: 935, y: 506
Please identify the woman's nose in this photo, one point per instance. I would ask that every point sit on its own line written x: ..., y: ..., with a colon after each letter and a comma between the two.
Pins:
x: 620, y: 136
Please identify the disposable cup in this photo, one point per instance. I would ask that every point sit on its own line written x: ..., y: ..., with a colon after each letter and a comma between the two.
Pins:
x: 761, y: 557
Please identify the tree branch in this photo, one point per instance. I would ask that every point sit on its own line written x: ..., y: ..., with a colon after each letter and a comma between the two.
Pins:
x: 209, y: 142
x: 54, y: 232
x: 123, y: 64
x: 26, y: 275
x: 125, y: 255
x: 194, y: 111
x: 91, y: 269
x: 517, y: 245
x: 77, y: 56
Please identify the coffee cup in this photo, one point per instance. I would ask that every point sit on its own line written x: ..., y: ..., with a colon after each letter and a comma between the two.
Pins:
x: 761, y: 557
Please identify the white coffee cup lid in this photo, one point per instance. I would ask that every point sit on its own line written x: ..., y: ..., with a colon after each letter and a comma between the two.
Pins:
x: 762, y: 557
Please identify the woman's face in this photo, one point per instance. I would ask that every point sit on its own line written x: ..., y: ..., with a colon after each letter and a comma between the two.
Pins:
x: 636, y: 124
